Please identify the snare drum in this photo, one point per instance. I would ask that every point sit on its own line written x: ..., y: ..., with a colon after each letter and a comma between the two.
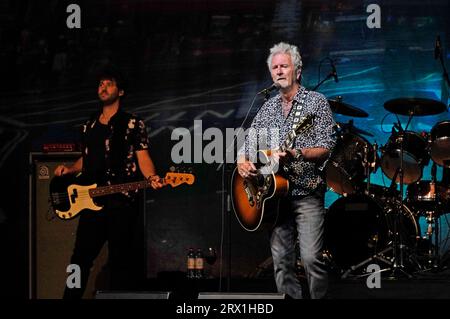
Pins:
x: 415, y: 156
x: 428, y: 196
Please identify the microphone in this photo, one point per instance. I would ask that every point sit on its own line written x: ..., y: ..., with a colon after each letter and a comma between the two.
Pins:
x: 274, y: 86
x: 437, y: 48
x: 334, y: 72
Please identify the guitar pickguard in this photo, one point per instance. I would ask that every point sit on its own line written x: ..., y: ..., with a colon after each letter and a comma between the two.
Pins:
x: 257, y: 189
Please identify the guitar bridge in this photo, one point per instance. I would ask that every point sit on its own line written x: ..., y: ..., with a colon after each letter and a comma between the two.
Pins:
x: 249, y: 194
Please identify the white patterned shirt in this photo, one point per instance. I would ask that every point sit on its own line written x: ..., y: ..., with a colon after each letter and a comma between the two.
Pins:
x: 269, y: 130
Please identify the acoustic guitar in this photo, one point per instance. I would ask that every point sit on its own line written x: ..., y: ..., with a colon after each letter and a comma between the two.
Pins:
x: 255, y: 199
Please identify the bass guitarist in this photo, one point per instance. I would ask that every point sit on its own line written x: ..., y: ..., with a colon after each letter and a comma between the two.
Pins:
x: 302, y: 165
x: 114, y: 150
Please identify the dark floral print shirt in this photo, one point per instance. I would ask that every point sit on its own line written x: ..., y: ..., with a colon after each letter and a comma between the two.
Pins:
x: 127, y: 134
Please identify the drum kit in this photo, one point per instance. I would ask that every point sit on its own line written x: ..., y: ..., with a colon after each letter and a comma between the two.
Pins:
x: 370, y: 223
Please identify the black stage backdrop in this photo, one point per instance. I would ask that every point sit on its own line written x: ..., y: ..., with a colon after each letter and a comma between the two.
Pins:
x: 199, y: 60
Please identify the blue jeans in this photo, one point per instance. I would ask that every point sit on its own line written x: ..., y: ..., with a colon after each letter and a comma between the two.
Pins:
x: 305, y: 218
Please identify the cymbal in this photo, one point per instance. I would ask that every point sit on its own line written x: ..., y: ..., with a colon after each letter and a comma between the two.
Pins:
x: 414, y: 106
x: 339, y: 107
x: 351, y: 128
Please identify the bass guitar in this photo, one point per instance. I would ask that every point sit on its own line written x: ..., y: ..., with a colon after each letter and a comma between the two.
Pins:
x: 69, y: 196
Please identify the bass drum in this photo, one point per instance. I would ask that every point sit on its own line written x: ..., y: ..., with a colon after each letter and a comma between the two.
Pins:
x: 360, y: 226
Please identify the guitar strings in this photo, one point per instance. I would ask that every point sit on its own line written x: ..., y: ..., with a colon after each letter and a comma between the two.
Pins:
x: 85, y: 194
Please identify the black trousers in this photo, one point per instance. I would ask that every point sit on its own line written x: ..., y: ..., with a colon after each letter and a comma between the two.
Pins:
x: 118, y: 223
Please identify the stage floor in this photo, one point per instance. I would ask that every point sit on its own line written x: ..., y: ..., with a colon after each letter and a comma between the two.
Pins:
x: 423, y: 285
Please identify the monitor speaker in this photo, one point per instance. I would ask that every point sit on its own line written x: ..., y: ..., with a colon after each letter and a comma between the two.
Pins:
x: 51, y: 240
x: 132, y: 295
x: 216, y: 295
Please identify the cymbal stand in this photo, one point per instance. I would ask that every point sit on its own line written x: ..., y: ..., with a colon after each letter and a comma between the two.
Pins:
x: 366, y: 168
x: 432, y: 218
x: 433, y: 252
x: 369, y: 164
x: 378, y: 256
x: 398, y: 266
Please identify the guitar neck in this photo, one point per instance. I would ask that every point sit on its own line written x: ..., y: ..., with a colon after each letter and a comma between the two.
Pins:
x: 119, y: 188
x: 288, y: 141
x: 284, y: 147
x: 303, y: 126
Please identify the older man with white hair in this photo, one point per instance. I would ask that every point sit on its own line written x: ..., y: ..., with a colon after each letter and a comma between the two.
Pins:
x: 302, y: 165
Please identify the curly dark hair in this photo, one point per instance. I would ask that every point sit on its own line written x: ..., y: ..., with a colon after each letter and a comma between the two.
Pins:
x: 113, y: 73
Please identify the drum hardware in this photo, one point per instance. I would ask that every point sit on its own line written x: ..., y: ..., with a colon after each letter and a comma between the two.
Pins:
x: 351, y: 128
x: 379, y: 256
x: 366, y: 167
x: 374, y: 225
x: 370, y: 165
x: 432, y: 219
x: 413, y: 172
x: 433, y: 252
x: 398, y: 248
x: 411, y: 150
x: 446, y: 163
x: 446, y: 176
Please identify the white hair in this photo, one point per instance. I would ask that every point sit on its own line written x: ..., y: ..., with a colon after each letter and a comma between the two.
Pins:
x: 286, y: 48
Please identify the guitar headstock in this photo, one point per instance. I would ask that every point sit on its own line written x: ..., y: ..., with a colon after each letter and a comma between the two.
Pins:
x: 176, y: 179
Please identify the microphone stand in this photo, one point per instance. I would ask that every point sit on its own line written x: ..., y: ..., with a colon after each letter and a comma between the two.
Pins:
x: 226, y: 193
x: 444, y: 72
x: 434, y: 218
x: 329, y: 76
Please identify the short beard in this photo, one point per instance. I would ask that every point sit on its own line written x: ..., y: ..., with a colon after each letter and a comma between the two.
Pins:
x: 111, y: 100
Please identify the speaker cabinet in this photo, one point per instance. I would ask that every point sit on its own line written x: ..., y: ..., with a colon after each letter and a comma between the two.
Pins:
x: 236, y: 295
x: 132, y: 295
x: 51, y: 240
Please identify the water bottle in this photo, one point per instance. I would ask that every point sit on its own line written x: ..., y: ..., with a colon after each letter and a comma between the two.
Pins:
x: 199, y: 264
x: 191, y: 264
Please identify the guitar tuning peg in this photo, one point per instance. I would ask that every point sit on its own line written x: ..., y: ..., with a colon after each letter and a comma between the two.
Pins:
x: 172, y: 169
